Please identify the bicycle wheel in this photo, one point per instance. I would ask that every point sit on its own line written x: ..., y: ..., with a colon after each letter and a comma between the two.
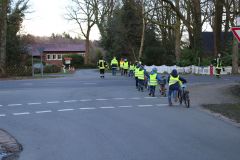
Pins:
x: 187, y: 100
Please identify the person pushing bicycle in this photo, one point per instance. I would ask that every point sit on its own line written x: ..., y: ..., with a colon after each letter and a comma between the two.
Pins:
x: 174, y: 82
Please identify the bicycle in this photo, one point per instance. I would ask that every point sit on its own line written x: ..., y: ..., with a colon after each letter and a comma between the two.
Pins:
x: 184, y: 96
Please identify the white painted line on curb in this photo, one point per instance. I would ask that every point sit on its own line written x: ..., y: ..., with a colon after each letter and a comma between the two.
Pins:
x: 2, y: 115
x: 148, y: 105
x: 11, y: 105
x: 70, y: 101
x: 87, y: 108
x: 119, y: 98
x: 106, y: 107
x: 101, y: 99
x: 39, y: 112
x: 64, y: 110
x: 23, y: 113
x: 125, y: 106
x: 53, y: 102
x: 85, y: 100
x: 37, y: 103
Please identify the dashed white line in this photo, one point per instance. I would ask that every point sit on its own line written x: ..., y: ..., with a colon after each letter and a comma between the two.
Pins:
x: 39, y: 112
x: 11, y: 105
x: 125, y: 106
x: 1, y: 105
x: 53, y: 102
x: 2, y: 115
x: 160, y: 105
x: 89, y: 83
x: 64, y: 110
x: 87, y: 108
x: 119, y: 98
x: 70, y: 101
x: 148, y: 105
x: 150, y: 97
x: 135, y: 98
x: 106, y: 107
x: 101, y: 99
x: 37, y: 103
x: 23, y: 113
x: 85, y: 100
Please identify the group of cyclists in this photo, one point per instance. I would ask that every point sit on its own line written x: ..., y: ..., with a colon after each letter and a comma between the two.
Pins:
x: 144, y: 79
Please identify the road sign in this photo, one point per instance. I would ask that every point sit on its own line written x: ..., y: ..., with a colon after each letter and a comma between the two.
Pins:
x: 236, y: 32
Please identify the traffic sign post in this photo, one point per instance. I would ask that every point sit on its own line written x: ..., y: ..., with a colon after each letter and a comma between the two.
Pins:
x: 236, y: 32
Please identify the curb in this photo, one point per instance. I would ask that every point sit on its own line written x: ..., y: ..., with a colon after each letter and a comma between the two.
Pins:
x: 9, y: 146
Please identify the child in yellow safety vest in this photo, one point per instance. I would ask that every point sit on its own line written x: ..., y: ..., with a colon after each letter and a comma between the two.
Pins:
x: 131, y: 70
x: 154, y: 78
x: 174, y: 81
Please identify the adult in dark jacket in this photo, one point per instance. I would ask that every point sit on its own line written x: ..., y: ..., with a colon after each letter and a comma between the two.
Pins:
x: 174, y: 81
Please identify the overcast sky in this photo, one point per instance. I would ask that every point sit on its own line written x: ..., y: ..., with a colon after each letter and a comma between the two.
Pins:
x: 47, y: 17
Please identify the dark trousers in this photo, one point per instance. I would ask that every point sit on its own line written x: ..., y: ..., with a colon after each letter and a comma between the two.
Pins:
x: 152, y: 90
x: 140, y: 84
x: 136, y: 79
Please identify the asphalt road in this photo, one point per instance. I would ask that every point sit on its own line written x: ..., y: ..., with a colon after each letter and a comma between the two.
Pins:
x: 83, y: 117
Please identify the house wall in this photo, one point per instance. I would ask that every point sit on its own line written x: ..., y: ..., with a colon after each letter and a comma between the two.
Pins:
x: 55, y: 58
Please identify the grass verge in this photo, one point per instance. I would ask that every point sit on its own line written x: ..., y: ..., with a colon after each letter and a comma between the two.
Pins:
x: 231, y: 111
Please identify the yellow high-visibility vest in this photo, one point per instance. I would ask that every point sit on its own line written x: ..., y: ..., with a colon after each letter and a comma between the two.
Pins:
x: 141, y: 74
x: 101, y: 64
x: 153, y: 80
x: 125, y: 65
x: 174, y: 80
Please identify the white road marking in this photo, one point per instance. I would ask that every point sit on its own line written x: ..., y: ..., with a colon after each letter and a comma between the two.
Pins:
x: 2, y: 115
x: 119, y: 98
x: 135, y: 98
x: 125, y: 106
x: 106, y: 107
x: 53, y: 102
x: 11, y: 105
x: 87, y: 108
x: 70, y: 101
x: 64, y: 110
x: 37, y: 103
x: 150, y: 97
x: 39, y: 112
x: 85, y: 100
x: 160, y: 105
x: 23, y: 113
x: 89, y: 83
x: 1, y: 105
x: 148, y: 105
x: 101, y: 99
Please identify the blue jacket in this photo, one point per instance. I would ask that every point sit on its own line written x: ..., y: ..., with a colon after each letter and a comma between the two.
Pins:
x: 176, y: 85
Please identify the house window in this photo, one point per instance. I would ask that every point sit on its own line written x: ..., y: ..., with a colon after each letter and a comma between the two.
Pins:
x: 49, y: 57
x: 54, y: 56
x: 59, y: 57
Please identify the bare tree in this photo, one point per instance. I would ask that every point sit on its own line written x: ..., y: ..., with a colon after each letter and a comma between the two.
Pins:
x: 82, y: 13
x: 3, y: 35
x: 143, y: 31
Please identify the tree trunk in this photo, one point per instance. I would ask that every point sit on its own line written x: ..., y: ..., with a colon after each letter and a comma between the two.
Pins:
x: 3, y: 38
x: 143, y: 32
x: 197, y: 26
x: 177, y: 35
x: 235, y: 56
x: 217, y: 26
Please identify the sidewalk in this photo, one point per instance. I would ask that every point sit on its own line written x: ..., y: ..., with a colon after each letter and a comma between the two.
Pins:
x: 9, y: 147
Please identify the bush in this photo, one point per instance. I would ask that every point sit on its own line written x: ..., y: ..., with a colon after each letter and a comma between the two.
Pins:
x: 52, y: 69
x: 77, y: 60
